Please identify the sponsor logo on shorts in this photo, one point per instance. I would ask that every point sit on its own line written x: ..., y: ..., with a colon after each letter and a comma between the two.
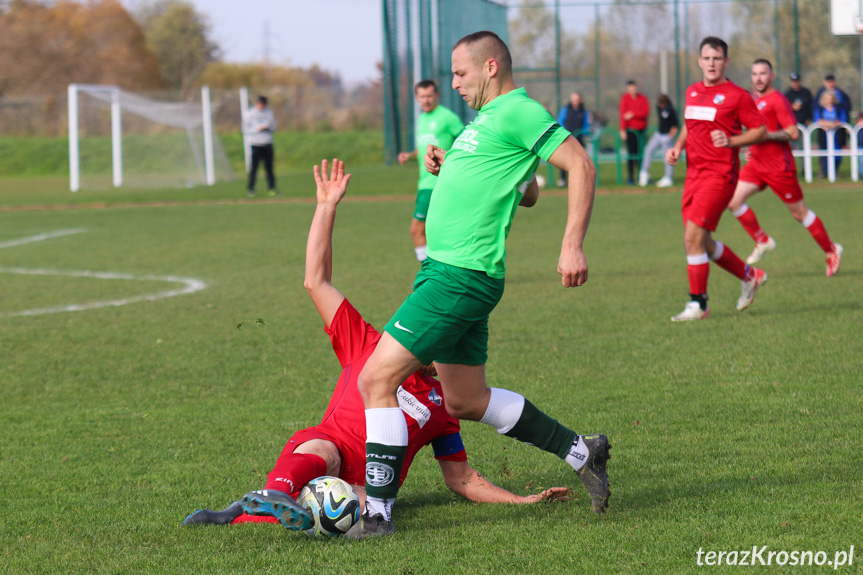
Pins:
x: 434, y: 397
x: 379, y: 474
x: 401, y: 327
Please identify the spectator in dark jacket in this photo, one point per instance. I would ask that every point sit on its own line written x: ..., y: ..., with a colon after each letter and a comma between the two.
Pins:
x: 576, y: 119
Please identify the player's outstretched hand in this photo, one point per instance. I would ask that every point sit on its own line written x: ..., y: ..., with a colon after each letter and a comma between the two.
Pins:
x: 433, y: 159
x: 572, y: 267
x: 550, y: 494
x: 671, y: 156
x: 331, y: 189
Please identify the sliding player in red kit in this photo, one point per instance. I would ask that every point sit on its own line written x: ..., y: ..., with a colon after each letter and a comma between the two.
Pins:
x: 771, y: 163
x: 715, y: 111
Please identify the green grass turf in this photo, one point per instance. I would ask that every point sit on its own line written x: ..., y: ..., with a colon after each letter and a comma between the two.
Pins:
x: 740, y: 430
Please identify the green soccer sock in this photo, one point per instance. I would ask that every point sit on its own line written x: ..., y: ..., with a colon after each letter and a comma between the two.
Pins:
x: 383, y: 469
x: 536, y: 428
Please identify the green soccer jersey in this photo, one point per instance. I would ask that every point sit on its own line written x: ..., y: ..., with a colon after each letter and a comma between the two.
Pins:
x: 439, y: 127
x: 483, y: 179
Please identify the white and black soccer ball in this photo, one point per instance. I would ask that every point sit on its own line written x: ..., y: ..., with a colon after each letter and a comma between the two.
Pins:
x: 333, y: 503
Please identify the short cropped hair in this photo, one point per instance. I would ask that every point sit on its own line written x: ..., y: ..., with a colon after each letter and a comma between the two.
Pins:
x: 426, y: 84
x: 763, y: 61
x: 262, y: 100
x: 485, y: 45
x: 715, y: 43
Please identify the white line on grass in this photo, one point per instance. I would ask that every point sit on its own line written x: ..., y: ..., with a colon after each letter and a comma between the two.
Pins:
x: 191, y: 285
x: 40, y: 237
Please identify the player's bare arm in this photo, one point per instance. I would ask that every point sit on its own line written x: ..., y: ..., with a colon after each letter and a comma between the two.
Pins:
x: 673, y: 154
x: 747, y: 138
x: 786, y: 134
x: 571, y: 157
x: 330, y: 189
x: 469, y: 483
x: 434, y: 159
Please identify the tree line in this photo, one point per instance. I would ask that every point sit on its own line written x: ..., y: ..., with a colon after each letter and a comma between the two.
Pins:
x: 164, y: 48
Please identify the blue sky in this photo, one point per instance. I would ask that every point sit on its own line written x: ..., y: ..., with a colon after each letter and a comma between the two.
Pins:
x: 343, y: 36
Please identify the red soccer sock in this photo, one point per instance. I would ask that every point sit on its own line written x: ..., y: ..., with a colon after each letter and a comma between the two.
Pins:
x: 293, y: 470
x: 728, y: 260
x: 698, y: 271
x: 818, y: 231
x: 750, y: 223
x: 246, y: 518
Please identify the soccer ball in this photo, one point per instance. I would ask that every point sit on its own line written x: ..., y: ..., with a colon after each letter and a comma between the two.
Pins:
x: 540, y: 181
x: 333, y: 503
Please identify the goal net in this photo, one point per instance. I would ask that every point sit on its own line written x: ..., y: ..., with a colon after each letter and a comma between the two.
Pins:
x: 117, y: 138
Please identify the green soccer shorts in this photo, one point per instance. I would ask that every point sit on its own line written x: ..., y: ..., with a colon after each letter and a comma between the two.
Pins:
x: 445, y: 319
x: 422, y: 205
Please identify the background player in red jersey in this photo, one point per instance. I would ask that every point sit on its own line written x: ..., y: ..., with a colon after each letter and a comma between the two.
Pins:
x: 771, y: 163
x: 337, y: 446
x: 715, y: 110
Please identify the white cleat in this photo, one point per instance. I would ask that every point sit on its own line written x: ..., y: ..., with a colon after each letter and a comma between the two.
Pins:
x: 692, y: 311
x: 760, y: 250
x: 747, y: 291
x: 833, y: 259
x: 664, y: 182
x: 643, y: 179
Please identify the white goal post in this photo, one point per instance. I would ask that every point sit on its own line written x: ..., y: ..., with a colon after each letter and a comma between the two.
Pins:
x: 151, y: 142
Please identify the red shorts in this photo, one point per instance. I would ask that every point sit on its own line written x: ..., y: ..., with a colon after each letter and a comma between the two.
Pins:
x: 353, y: 468
x: 705, y: 197
x: 784, y: 184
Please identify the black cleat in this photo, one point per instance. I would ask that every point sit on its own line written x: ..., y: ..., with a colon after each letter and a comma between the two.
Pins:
x: 278, y: 504
x: 208, y: 517
x: 594, y: 475
x: 368, y: 527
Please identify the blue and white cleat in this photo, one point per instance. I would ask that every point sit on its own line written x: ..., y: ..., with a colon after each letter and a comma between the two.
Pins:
x: 278, y: 504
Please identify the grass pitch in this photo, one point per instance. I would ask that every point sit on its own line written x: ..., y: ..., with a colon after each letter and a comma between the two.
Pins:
x: 742, y: 430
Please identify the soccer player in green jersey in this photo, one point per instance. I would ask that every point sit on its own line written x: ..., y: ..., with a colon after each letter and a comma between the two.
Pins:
x: 436, y: 126
x: 482, y: 180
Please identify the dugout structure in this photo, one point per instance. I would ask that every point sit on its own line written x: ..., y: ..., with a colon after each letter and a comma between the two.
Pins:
x: 418, y: 36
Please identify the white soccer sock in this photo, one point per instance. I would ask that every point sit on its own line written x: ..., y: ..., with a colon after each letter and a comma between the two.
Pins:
x: 717, y: 253
x: 740, y: 211
x: 698, y: 260
x: 504, y: 409
x: 578, y: 453
x: 387, y: 426
x: 375, y: 505
x: 421, y: 253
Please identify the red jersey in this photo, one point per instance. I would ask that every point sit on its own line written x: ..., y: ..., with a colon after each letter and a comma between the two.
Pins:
x: 775, y: 156
x: 640, y: 108
x: 725, y: 107
x: 420, y: 397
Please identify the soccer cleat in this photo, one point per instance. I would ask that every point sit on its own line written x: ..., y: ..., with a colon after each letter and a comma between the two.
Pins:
x: 251, y: 193
x: 368, y: 527
x: 278, y: 504
x: 833, y: 259
x: 274, y: 192
x: 760, y: 250
x: 561, y: 183
x: 593, y: 474
x: 630, y: 182
x: 209, y: 517
x: 664, y: 182
x: 749, y: 286
x: 643, y: 179
x: 692, y: 311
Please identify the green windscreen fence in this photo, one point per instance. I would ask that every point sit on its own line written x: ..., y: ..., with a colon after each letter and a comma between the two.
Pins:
x: 418, y: 39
